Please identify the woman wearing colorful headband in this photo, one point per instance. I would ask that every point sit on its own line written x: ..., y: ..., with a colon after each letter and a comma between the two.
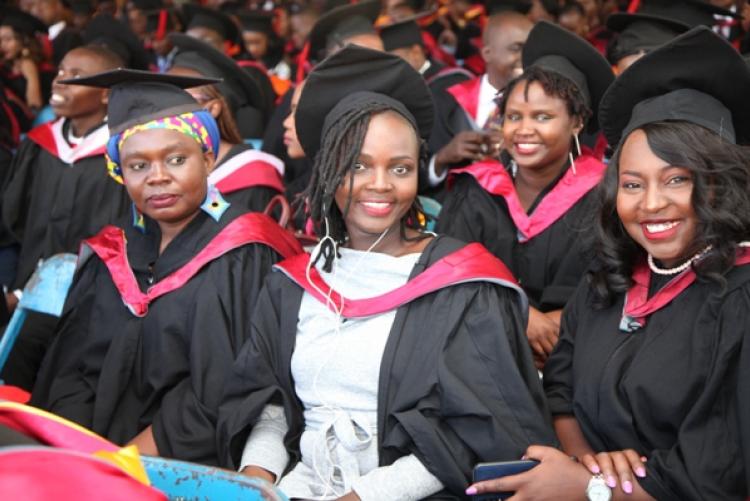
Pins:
x: 160, y: 305
x: 387, y: 383
x: 650, y: 382
x: 532, y: 208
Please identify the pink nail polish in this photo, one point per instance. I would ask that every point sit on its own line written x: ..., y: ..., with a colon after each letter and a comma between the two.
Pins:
x: 627, y: 487
x: 471, y: 491
x: 641, y: 472
x: 611, y: 482
x: 595, y: 469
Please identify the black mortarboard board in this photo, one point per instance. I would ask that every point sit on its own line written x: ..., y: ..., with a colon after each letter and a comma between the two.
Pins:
x: 405, y: 33
x: 697, y: 77
x: 690, y: 13
x: 197, y: 16
x: 115, y: 35
x: 137, y: 97
x: 237, y: 86
x: 351, y: 77
x: 556, y: 49
x: 329, y: 5
x: 256, y: 21
x: 497, y: 6
x: 641, y: 35
x: 22, y: 22
x: 343, y: 22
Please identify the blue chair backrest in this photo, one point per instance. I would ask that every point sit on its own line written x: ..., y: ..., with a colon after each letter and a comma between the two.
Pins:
x: 190, y: 481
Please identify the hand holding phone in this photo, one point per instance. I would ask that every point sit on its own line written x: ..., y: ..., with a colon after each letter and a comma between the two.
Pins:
x: 489, y: 471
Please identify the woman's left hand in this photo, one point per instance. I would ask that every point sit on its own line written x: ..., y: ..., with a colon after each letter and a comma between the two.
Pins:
x: 557, y: 476
x: 617, y: 467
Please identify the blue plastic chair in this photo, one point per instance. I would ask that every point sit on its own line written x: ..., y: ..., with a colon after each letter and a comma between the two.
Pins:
x: 432, y: 208
x: 45, y: 292
x: 188, y: 481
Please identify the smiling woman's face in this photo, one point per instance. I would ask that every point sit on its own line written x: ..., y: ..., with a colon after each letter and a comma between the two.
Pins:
x: 654, y: 202
x: 165, y: 173
x: 384, y: 180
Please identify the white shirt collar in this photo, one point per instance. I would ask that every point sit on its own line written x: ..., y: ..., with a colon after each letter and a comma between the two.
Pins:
x: 55, y: 29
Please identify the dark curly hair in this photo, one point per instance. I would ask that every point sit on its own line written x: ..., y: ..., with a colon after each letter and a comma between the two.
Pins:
x: 338, y: 154
x: 553, y: 84
x: 720, y: 198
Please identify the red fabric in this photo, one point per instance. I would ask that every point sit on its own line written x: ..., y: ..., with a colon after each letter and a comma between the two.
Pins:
x: 638, y: 306
x: 43, y: 473
x: 467, y: 95
x: 161, y: 27
x: 634, y: 6
x: 51, y: 430
x: 250, y: 175
x: 435, y: 51
x: 110, y: 246
x: 495, y: 179
x: 44, y: 137
x: 303, y: 63
x: 14, y: 394
x: 470, y: 264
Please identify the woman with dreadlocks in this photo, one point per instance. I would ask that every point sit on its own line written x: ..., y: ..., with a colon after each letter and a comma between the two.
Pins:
x: 390, y: 360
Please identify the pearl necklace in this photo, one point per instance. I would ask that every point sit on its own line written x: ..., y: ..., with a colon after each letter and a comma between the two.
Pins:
x: 679, y: 269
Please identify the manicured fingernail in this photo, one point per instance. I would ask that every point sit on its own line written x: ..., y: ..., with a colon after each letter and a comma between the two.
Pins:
x: 595, y: 469
x: 524, y: 458
x: 611, y: 481
x: 644, y: 459
x: 627, y: 487
x: 640, y: 471
x: 471, y: 491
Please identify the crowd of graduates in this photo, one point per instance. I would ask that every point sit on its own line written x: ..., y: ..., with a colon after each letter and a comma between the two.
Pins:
x: 356, y: 249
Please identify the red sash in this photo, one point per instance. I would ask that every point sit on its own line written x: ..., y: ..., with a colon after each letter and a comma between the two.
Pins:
x: 472, y: 263
x: 111, y: 247
x: 467, y: 95
x: 495, y: 179
x: 638, y: 306
x: 50, y: 137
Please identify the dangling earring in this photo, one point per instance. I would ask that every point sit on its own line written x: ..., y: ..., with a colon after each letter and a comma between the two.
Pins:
x: 578, y: 144
x: 572, y: 162
x: 214, y: 205
x: 138, y: 222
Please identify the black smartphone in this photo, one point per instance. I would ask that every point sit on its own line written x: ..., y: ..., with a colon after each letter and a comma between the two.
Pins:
x: 489, y: 471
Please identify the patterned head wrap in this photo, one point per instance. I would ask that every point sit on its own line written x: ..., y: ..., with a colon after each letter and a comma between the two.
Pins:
x: 199, y: 125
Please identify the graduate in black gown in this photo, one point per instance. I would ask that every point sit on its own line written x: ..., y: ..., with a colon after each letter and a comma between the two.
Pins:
x: 58, y: 192
x: 649, y: 383
x: 438, y: 369
x: 161, y: 304
x: 531, y: 207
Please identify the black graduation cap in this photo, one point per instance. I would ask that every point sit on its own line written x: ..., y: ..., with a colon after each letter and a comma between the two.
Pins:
x: 237, y: 86
x: 197, y: 16
x: 106, y: 31
x: 145, y: 5
x: 698, y: 77
x: 22, y: 22
x: 343, y: 22
x: 690, y: 13
x: 138, y: 97
x: 558, y: 50
x: 259, y: 21
x: 345, y: 79
x: 404, y: 33
x: 640, y: 33
x: 497, y: 6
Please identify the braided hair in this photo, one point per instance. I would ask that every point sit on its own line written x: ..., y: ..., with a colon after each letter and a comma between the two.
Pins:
x: 339, y: 151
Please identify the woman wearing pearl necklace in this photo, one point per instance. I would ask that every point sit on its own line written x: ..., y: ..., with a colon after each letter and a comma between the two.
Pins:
x: 649, y: 385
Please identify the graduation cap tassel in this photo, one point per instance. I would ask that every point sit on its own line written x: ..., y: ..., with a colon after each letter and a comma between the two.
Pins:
x: 634, y: 6
x: 302, y: 60
x: 161, y: 28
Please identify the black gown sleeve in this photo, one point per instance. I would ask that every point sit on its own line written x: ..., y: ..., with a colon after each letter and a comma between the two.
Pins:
x: 743, y: 399
x: 485, y: 402
x: 185, y: 424
x: 261, y: 374
x: 17, y: 189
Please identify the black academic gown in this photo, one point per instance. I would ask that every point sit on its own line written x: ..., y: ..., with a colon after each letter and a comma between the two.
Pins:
x: 457, y: 384
x: 677, y: 391
x: 549, y: 266
x: 50, y: 205
x: 116, y: 373
x: 252, y: 198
